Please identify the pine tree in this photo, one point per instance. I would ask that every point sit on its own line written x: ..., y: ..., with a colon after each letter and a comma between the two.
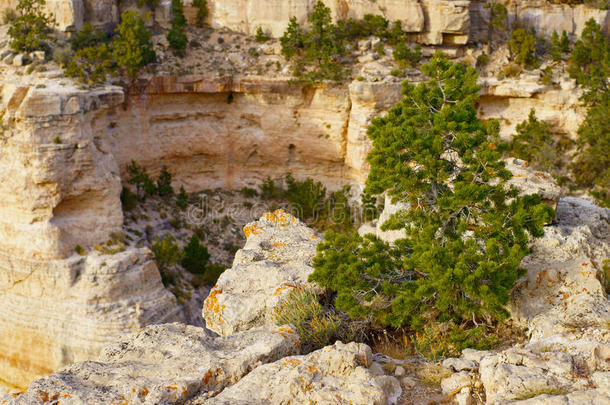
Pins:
x: 164, y: 183
x: 140, y: 178
x: 534, y: 142
x: 590, y: 62
x: 465, y: 232
x: 30, y: 30
x: 182, y: 199
x: 195, y: 256
x: 523, y: 48
x: 293, y: 39
x: 321, y: 43
x: 202, y: 11
x: 132, y: 47
x: 176, y: 36
x: 497, y: 20
x: 556, y: 52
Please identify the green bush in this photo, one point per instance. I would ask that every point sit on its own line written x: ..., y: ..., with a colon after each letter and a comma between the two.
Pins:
x: 270, y: 190
x: 132, y: 48
x: 164, y: 183
x: 437, y: 341
x: 182, y: 199
x: 195, y: 256
x: 497, y: 20
x: 535, y: 143
x: 91, y: 65
x: 139, y: 177
x: 8, y: 16
x: 407, y: 57
x: 482, y: 60
x: 80, y: 250
x: 30, y: 30
x: 167, y: 254
x: 559, y: 46
x: 316, y: 326
x: 176, y: 36
x: 261, y: 36
x: 523, y: 48
x: 212, y: 272
x: 88, y: 37
x: 465, y: 232
x: 590, y: 66
x: 202, y: 11
x: 129, y: 200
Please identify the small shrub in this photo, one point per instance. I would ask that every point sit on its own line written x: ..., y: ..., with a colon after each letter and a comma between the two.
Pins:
x: 9, y: 16
x: 202, y: 11
x: 140, y: 178
x: 512, y: 70
x: 261, y: 36
x: 91, y: 65
x: 439, y: 340
x: 482, y: 60
x: 176, y: 36
x: 397, y: 73
x: 195, y: 257
x: 129, y: 200
x: 407, y: 57
x: 62, y: 55
x: 80, y: 250
x: 606, y: 275
x: 547, y: 76
x: 182, y: 199
x: 212, y: 272
x: 380, y: 49
x: 167, y: 254
x: 249, y: 192
x: 270, y: 190
x: 523, y: 48
x: 253, y: 52
x: 88, y: 37
x: 432, y: 374
x: 30, y: 30
x: 132, y: 47
x: 316, y: 327
x: 164, y: 183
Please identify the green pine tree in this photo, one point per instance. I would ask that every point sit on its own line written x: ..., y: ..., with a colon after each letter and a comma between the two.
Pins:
x: 132, y: 47
x: 164, y: 183
x: 30, y: 30
x: 195, y: 256
x: 182, y: 199
x: 534, y: 142
x: 465, y: 232
x: 523, y: 48
x: 176, y: 36
x: 202, y: 11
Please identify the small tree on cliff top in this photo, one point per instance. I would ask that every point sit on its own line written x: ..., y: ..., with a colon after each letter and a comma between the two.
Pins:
x: 465, y: 233
x: 132, y: 47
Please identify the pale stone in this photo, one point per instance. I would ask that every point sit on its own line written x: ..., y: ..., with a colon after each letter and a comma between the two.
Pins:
x: 168, y: 363
x: 275, y: 260
x: 336, y: 374
x: 460, y: 364
x: 400, y: 371
x: 562, y: 293
x: 454, y: 383
x: 529, y: 181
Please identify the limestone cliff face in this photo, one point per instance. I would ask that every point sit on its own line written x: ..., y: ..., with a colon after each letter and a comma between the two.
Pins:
x: 236, y: 132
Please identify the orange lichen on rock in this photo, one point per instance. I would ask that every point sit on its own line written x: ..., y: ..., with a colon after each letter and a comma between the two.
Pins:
x: 211, y: 303
x: 279, y: 217
x: 290, y: 335
x: 281, y: 289
x: 252, y: 229
x: 291, y: 362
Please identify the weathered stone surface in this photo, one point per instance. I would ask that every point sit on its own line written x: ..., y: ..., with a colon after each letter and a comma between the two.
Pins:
x: 561, y: 293
x: 273, y: 15
x: 446, y: 21
x: 529, y: 181
x: 336, y: 374
x: 162, y: 364
x: 53, y: 313
x: 275, y: 259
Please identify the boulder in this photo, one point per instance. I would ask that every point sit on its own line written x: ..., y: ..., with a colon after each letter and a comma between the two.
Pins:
x: 562, y: 293
x: 275, y: 260
x: 166, y: 364
x: 529, y: 181
x: 336, y: 374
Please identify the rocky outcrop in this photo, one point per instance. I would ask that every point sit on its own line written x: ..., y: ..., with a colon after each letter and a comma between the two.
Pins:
x: 336, y: 374
x: 53, y: 313
x: 565, y: 310
x: 275, y: 260
x: 562, y: 293
x: 162, y: 364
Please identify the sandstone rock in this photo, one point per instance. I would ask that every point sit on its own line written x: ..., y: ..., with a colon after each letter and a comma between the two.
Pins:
x: 586, y: 397
x: 517, y: 373
x: 336, y: 374
x: 460, y: 364
x: 454, y: 383
x: 562, y: 294
x: 162, y: 364
x: 447, y: 21
x: 275, y: 259
x: 72, y: 308
x: 474, y: 355
x: 529, y: 181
